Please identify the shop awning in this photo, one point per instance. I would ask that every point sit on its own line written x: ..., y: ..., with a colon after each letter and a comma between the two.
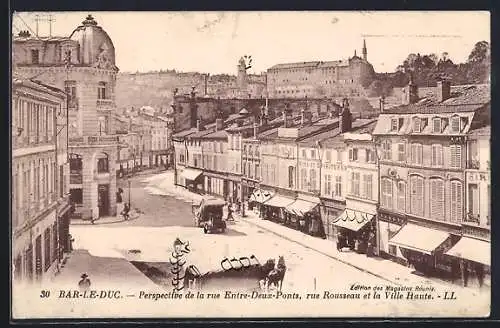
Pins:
x: 191, y: 174
x: 473, y: 250
x: 279, y: 201
x: 418, y: 238
x: 260, y: 196
x: 352, y: 220
x: 301, y: 207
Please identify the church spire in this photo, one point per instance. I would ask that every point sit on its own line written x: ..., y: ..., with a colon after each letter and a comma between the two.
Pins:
x: 365, y: 51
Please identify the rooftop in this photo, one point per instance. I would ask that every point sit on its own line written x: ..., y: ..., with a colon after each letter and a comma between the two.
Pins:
x: 482, y: 131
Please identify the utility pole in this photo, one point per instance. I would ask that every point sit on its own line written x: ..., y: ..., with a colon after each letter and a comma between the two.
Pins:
x: 49, y: 19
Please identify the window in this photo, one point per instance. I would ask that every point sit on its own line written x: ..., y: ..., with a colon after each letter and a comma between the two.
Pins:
x: 367, y: 186
x: 303, y: 179
x: 312, y: 186
x: 416, y: 153
x: 401, y: 152
x: 417, y: 195
x: 257, y: 172
x: 244, y: 149
x: 103, y: 124
x: 54, y: 241
x: 394, y: 125
x: 417, y: 124
x: 401, y: 205
x: 313, y: 153
x: 455, y: 124
x: 370, y: 156
x: 456, y: 202
x: 338, y: 186
x: 355, y: 184
x: 101, y: 90
x: 328, y: 184
x: 328, y: 156
x: 102, y: 165
x: 473, y: 199
x: 386, y: 197
x: 456, y: 156
x: 304, y: 154
x: 436, y: 125
x: 353, y: 154
x: 437, y: 199
x: 386, y: 150
x: 291, y: 176
x: 35, y: 56
x: 76, y: 196
x: 437, y: 155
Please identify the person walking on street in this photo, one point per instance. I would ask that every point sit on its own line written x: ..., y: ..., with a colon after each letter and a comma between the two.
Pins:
x: 84, y: 283
x: 229, y: 212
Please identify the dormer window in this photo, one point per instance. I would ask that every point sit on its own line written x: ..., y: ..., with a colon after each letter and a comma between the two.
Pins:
x: 417, y: 125
x: 436, y: 125
x: 394, y: 125
x: 455, y: 124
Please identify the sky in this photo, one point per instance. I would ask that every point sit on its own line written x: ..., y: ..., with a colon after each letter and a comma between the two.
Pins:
x: 212, y: 42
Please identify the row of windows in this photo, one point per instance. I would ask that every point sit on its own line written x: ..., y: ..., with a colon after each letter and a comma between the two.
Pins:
x: 438, y: 124
x: 416, y: 154
x: 417, y: 197
x: 34, y: 121
x: 361, y: 185
x: 34, y: 187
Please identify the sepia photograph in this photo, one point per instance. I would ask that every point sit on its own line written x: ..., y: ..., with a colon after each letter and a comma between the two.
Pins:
x: 250, y: 164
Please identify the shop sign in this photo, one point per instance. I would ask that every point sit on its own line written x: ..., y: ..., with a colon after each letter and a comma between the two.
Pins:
x: 476, y: 177
x: 391, y: 218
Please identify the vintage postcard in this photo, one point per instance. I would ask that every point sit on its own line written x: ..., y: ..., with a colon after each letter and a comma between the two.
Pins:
x: 250, y: 164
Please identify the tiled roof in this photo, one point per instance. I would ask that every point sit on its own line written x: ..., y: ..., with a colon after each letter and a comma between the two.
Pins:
x: 18, y: 79
x: 483, y: 131
x: 184, y: 133
x: 221, y: 134
x: 310, y: 64
x: 464, y: 98
x: 334, y: 136
x: 202, y: 133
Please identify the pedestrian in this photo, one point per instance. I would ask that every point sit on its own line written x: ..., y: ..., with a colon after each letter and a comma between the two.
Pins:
x: 84, y: 283
x: 126, y: 210
x: 229, y: 212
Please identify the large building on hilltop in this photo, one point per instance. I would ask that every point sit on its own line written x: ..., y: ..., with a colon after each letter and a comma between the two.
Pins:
x: 340, y: 78
x: 83, y: 65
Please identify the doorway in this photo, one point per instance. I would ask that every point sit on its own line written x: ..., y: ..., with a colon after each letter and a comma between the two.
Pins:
x: 103, y: 199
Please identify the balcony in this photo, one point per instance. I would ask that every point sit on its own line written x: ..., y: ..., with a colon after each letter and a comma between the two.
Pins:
x: 475, y: 220
x: 105, y: 104
x: 473, y: 164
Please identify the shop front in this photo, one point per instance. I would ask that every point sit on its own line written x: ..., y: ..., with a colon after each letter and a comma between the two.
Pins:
x: 330, y: 210
x: 388, y: 226
x: 474, y: 257
x: 423, y: 247
x: 274, y: 208
x: 356, y: 231
x: 305, y: 215
x: 192, y: 180
x: 257, y: 198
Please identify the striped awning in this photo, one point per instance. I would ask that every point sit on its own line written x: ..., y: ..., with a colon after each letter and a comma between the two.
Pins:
x: 279, y: 201
x: 301, y: 207
x: 260, y: 196
x: 352, y: 220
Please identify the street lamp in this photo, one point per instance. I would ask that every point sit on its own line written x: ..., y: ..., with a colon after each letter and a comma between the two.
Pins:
x: 128, y: 180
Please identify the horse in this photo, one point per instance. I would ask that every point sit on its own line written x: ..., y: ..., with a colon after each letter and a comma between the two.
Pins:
x: 275, y: 277
x: 264, y: 271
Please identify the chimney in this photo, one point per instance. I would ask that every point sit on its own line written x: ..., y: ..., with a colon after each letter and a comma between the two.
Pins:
x: 410, y: 93
x: 443, y: 90
x: 255, y: 130
x: 285, y: 121
x: 345, y: 117
x: 219, y: 124
x: 198, y: 124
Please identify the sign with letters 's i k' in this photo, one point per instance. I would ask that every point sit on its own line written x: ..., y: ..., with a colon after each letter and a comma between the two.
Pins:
x: 282, y: 176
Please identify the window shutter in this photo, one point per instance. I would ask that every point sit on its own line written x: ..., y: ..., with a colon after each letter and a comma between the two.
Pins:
x: 458, y: 156
x: 350, y: 154
x: 437, y: 199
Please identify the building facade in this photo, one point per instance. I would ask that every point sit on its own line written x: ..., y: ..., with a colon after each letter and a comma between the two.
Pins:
x: 40, y: 202
x: 83, y: 65
x: 423, y: 151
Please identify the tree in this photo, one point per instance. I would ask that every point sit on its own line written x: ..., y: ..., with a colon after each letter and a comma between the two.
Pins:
x: 480, y: 53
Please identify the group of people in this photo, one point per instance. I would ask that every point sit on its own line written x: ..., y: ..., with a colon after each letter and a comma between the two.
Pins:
x: 363, y: 242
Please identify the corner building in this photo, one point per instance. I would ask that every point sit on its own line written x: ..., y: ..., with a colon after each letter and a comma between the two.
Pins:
x: 83, y: 65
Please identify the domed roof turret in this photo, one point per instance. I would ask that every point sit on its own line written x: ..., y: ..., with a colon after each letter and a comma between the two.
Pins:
x: 96, y: 47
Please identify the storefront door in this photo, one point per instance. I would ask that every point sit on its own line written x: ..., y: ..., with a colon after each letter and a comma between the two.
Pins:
x: 103, y: 199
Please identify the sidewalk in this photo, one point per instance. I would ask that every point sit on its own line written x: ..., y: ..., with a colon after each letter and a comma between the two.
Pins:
x: 102, y: 271
x: 384, y: 269
x: 106, y: 219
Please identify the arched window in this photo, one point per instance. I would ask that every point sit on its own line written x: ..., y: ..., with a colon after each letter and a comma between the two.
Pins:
x: 102, y: 163
x: 437, y: 198
x: 456, y: 201
x: 417, y: 195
